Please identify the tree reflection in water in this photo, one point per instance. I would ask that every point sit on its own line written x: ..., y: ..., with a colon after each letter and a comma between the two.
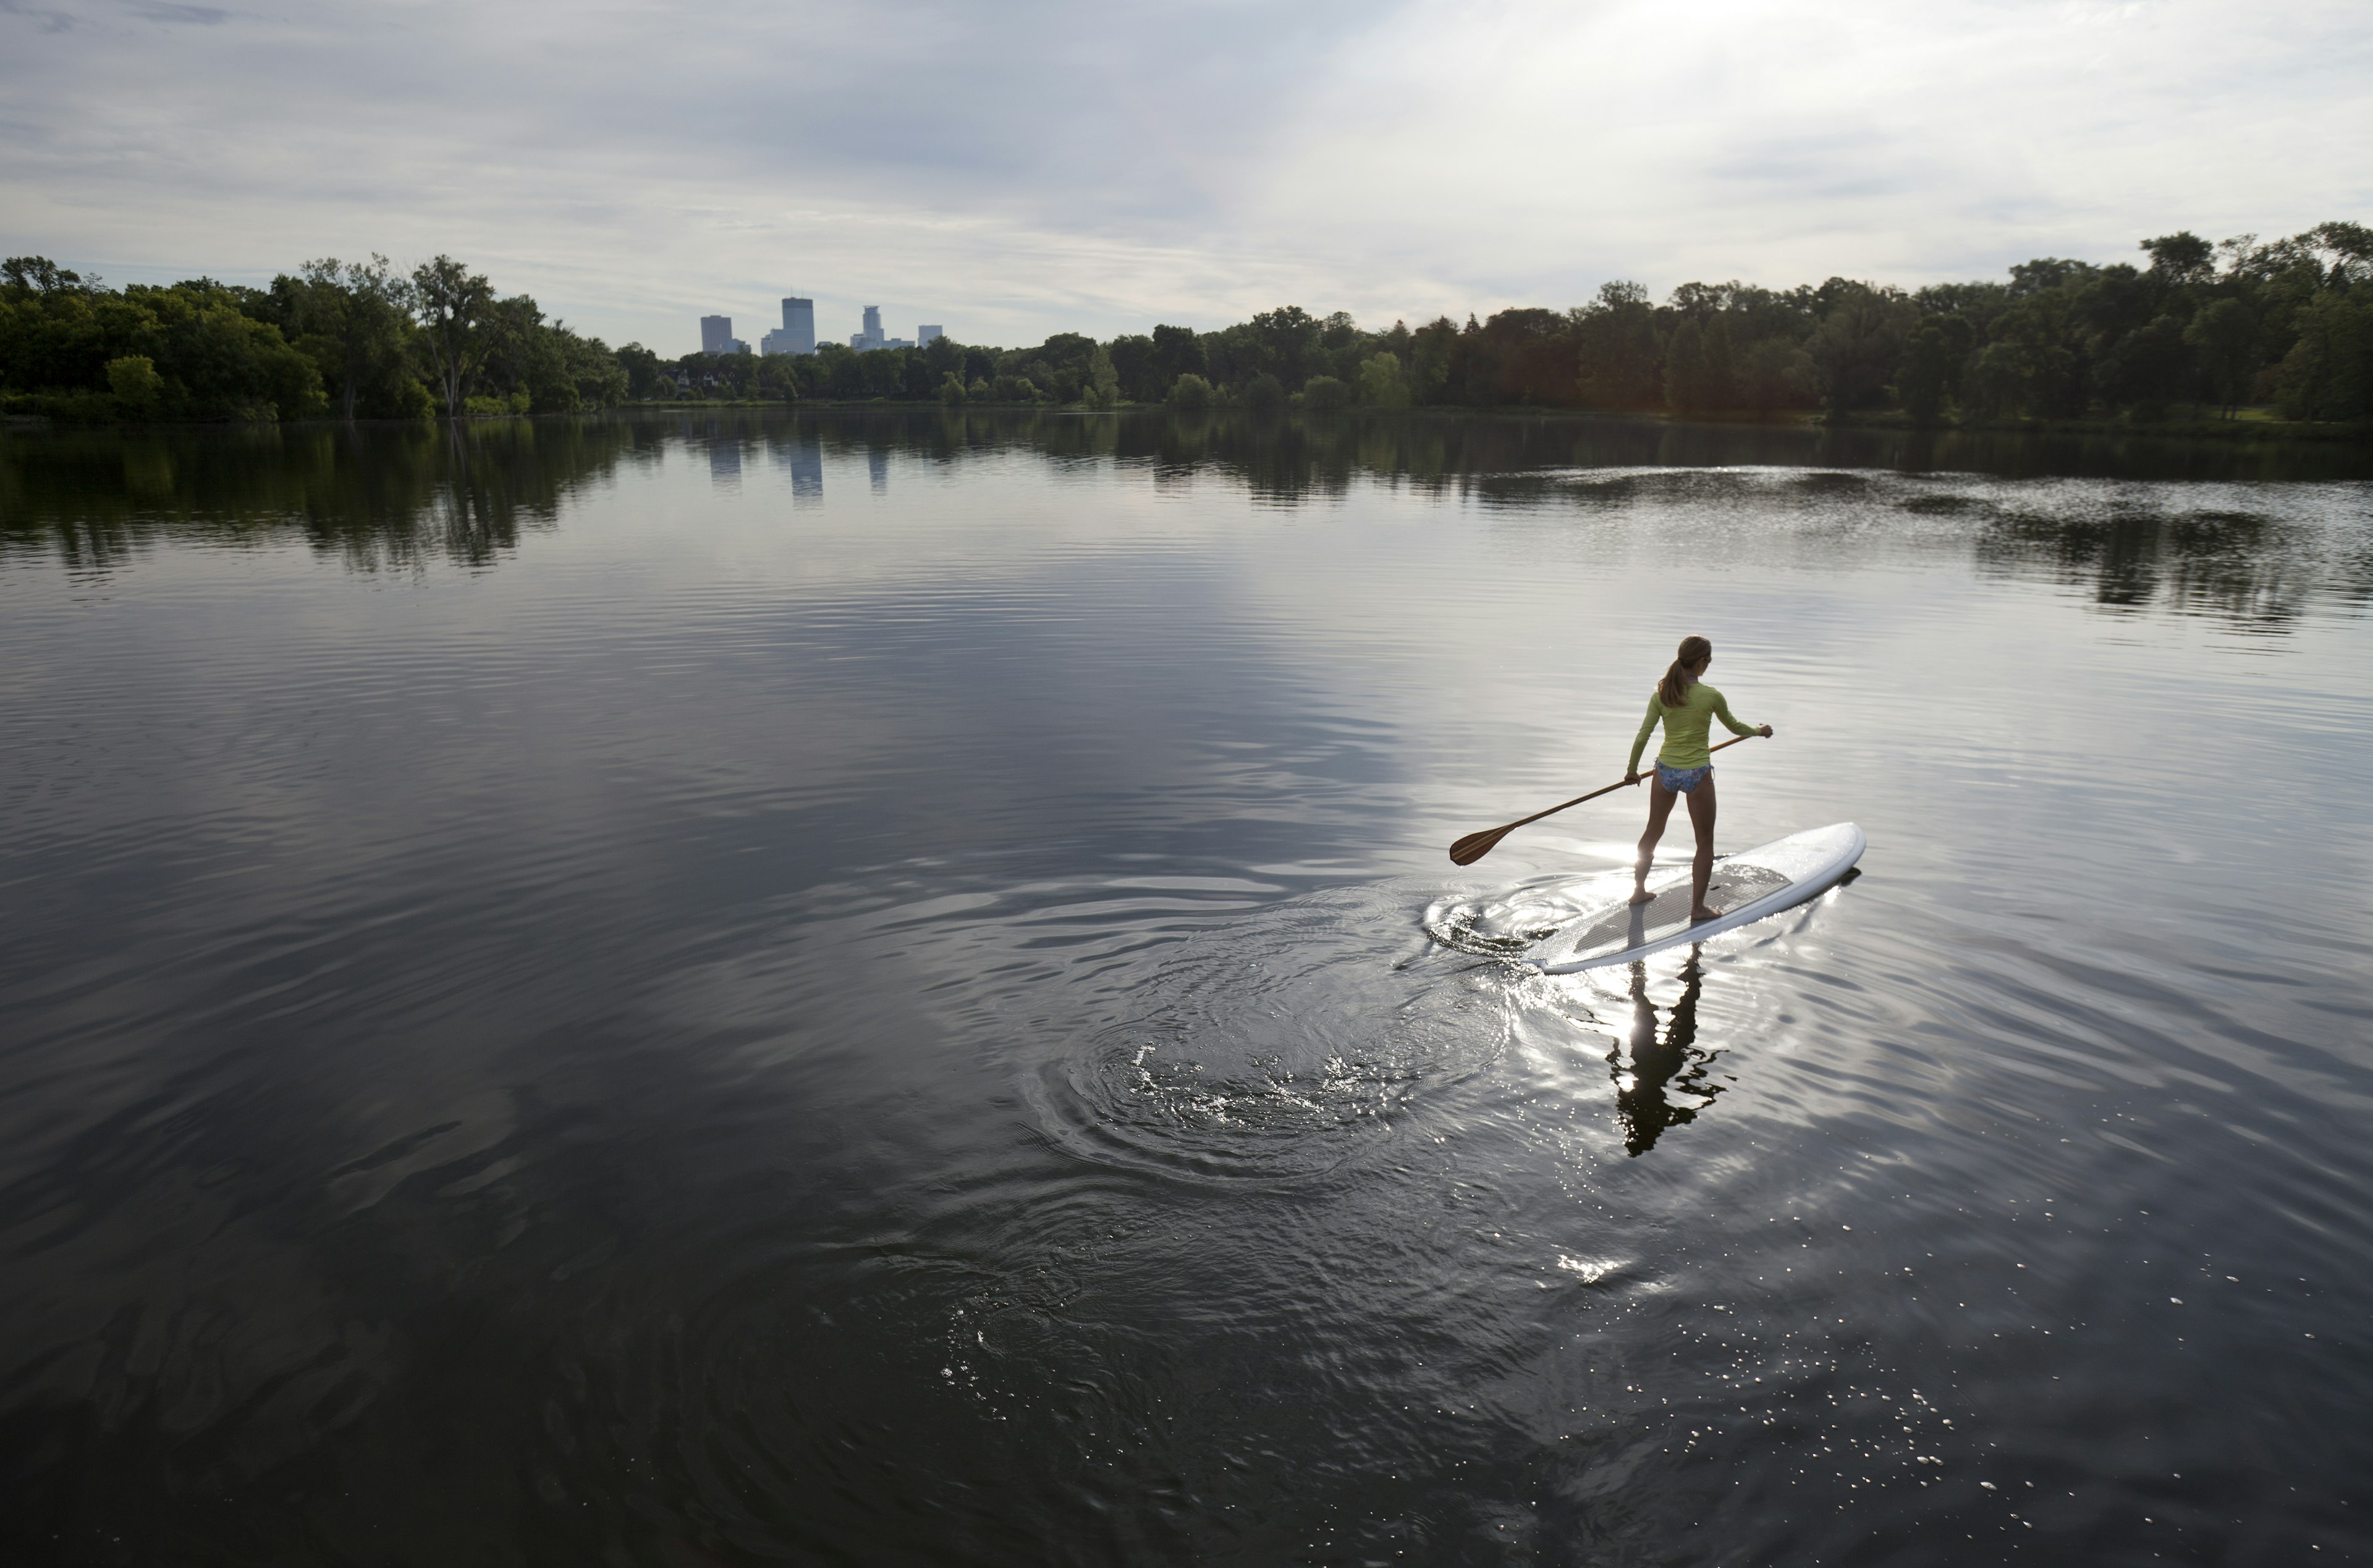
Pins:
x: 384, y: 497
x: 392, y: 496
x: 1652, y: 1069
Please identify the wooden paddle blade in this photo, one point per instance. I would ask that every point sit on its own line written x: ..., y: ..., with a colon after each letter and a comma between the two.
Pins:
x: 1475, y: 846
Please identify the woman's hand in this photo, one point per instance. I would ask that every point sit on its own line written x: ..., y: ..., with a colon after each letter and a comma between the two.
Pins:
x: 1633, y: 778
x: 1765, y: 732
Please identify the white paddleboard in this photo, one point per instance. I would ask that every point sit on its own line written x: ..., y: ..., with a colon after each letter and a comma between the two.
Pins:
x: 1746, y: 886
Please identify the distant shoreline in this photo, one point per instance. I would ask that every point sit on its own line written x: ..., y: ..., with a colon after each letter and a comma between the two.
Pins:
x: 2243, y: 332
x: 2256, y: 427
x: 2246, y: 429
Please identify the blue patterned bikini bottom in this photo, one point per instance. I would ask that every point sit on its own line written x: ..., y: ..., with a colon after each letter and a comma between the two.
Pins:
x: 1680, y: 781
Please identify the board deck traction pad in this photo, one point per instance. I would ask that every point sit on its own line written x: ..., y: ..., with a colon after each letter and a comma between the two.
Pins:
x: 1746, y: 886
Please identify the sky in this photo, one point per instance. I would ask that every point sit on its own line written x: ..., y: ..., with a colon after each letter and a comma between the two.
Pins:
x: 1011, y: 170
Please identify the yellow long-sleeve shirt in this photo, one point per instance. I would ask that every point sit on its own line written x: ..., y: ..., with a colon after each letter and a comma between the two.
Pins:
x: 1685, y: 728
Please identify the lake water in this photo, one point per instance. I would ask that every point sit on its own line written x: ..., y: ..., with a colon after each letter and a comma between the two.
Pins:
x: 750, y: 988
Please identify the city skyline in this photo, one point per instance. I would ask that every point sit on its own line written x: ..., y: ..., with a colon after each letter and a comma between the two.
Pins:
x: 798, y: 333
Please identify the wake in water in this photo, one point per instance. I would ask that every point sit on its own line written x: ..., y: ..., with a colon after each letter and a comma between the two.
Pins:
x: 1280, y: 1043
x: 1509, y: 921
x: 1275, y: 1047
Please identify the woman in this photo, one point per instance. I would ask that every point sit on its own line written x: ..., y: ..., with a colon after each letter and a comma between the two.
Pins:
x: 1687, y: 706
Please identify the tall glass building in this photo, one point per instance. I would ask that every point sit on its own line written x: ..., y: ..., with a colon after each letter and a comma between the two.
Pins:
x: 798, y: 335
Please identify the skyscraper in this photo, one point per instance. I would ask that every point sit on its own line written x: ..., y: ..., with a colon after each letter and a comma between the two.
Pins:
x: 716, y: 334
x: 797, y: 335
x: 925, y: 333
x: 870, y: 339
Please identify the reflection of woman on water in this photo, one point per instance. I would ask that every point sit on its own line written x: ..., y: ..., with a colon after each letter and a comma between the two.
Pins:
x: 1640, y: 1102
x: 1687, y: 707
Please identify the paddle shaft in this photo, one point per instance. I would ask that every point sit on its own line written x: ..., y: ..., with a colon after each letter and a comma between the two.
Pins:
x: 1496, y: 833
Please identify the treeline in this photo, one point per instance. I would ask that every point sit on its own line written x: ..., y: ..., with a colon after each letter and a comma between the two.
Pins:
x: 353, y: 340
x: 2200, y: 326
x: 2194, y: 326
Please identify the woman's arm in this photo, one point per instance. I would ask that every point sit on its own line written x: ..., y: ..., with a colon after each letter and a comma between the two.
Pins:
x: 1640, y: 741
x: 1722, y: 712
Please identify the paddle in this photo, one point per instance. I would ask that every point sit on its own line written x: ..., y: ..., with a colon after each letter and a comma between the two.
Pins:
x: 1475, y: 846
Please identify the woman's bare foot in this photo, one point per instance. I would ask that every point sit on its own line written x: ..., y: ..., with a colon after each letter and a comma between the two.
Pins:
x: 1642, y: 896
x: 1701, y: 913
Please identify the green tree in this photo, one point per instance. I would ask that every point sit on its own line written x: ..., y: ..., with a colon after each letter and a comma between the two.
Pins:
x: 837, y: 374
x: 2351, y: 242
x: 2182, y: 257
x: 132, y: 378
x: 1933, y: 359
x: 1060, y: 366
x: 350, y: 319
x: 2041, y: 275
x: 2225, y: 336
x: 951, y: 390
x: 1265, y: 394
x: 1719, y: 389
x: 1325, y: 394
x: 1176, y: 351
x: 2148, y: 369
x: 1383, y: 385
x: 1190, y: 392
x: 1286, y: 340
x: 641, y: 368
x: 1855, y: 348
x: 1521, y: 355
x: 526, y: 358
x: 1435, y: 362
x: 1774, y: 374
x: 61, y: 333
x: 2042, y: 353
x: 2328, y: 374
x: 39, y: 275
x: 1136, y: 364
x: 779, y: 377
x: 455, y: 309
x: 594, y: 371
x: 1619, y: 353
x: 921, y: 381
x: 884, y: 372
x: 1102, y: 388
x: 219, y: 361
x: 1684, y: 366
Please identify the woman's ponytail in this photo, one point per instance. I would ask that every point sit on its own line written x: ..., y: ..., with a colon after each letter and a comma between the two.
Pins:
x: 1674, y: 689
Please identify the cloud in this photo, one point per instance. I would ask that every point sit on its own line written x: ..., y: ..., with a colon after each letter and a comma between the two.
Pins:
x: 160, y: 11
x: 1017, y: 169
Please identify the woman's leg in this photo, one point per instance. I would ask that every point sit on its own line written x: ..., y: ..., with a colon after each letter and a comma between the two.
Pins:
x: 1660, y: 807
x: 1702, y: 869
